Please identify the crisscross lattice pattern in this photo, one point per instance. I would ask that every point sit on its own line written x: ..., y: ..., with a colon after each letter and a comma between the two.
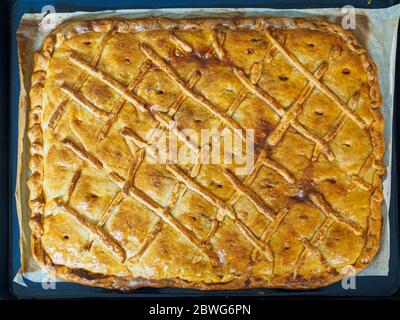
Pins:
x: 308, y: 208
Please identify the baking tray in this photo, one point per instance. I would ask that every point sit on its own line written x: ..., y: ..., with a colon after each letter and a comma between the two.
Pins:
x: 4, y: 156
x: 367, y: 286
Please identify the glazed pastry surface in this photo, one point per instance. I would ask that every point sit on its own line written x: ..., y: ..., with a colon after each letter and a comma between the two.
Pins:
x: 306, y: 214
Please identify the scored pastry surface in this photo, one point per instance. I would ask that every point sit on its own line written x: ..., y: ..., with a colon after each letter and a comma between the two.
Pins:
x: 306, y: 214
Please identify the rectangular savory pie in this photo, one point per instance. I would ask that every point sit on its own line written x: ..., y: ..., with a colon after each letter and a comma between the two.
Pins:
x: 307, y: 212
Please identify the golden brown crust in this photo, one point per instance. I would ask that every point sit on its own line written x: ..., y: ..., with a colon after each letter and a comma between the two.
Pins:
x: 293, y: 280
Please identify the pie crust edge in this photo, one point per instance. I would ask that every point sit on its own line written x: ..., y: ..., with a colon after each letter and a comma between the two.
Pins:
x: 36, y: 197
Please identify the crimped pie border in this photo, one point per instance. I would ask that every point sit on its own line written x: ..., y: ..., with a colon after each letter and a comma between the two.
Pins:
x: 34, y: 132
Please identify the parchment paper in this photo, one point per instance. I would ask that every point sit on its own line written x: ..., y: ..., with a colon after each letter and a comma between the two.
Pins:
x: 375, y: 29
